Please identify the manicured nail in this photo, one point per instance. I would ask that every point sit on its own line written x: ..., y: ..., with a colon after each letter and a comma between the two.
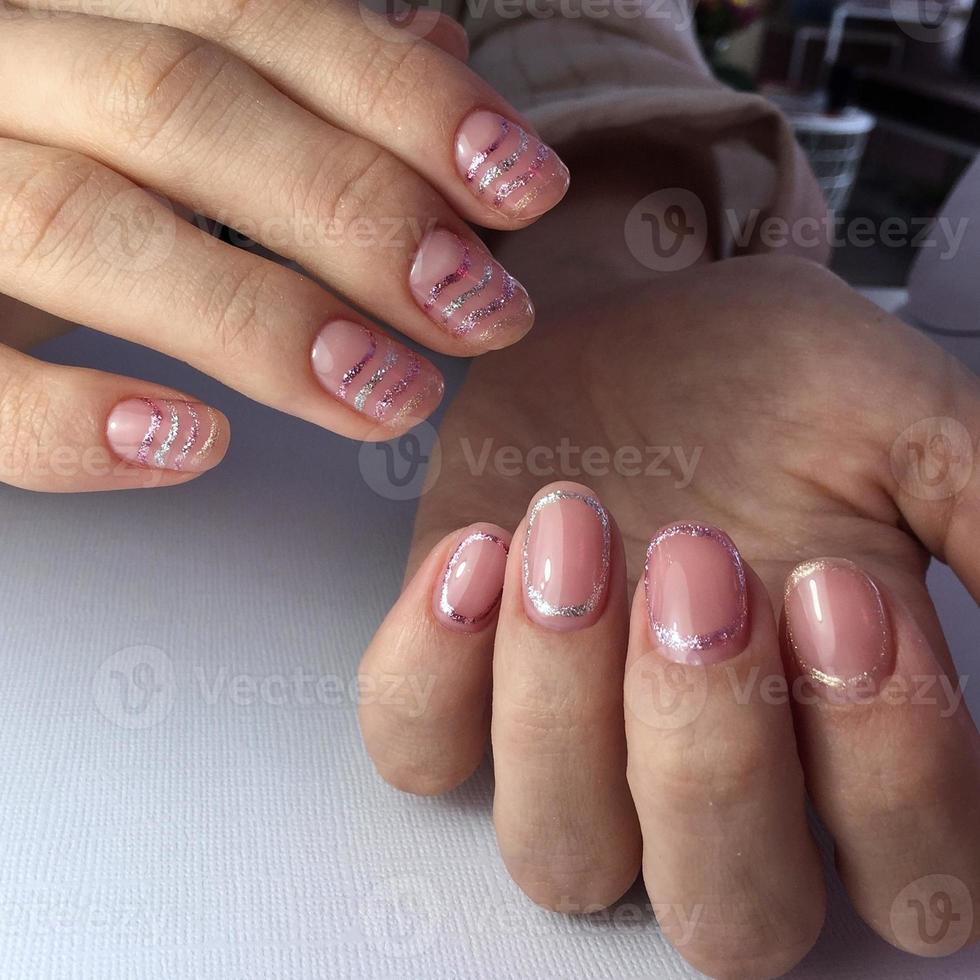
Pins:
x: 466, y: 291
x: 471, y: 586
x: 696, y: 594
x: 566, y: 560
x: 508, y: 168
x: 165, y: 434
x: 373, y: 374
x: 837, y: 626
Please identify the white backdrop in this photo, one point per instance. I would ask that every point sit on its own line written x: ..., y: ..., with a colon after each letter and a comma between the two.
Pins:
x: 161, y: 817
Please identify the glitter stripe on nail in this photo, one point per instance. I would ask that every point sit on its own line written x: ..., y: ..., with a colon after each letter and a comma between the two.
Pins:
x: 499, y: 169
x: 462, y: 271
x: 391, y: 359
x: 212, y: 435
x: 505, y: 190
x: 191, y: 436
x: 444, y: 604
x: 671, y: 637
x: 388, y: 398
x: 481, y: 158
x: 599, y: 586
x: 160, y: 457
x: 156, y: 417
x: 470, y: 321
x: 357, y: 368
x: 421, y: 396
x: 464, y: 298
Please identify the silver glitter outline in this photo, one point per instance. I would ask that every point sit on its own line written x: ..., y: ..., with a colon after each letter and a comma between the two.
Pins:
x: 539, y: 602
x: 360, y: 399
x: 156, y: 418
x: 464, y: 298
x: 481, y: 158
x: 444, y: 604
x: 160, y: 456
x: 689, y: 642
x: 867, y: 677
x: 499, y: 169
x: 191, y: 438
x: 212, y: 434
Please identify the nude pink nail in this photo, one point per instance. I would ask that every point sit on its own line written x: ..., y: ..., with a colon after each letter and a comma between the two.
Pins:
x: 165, y: 434
x: 696, y: 594
x: 374, y: 374
x: 466, y: 291
x: 508, y: 168
x: 566, y: 560
x: 837, y: 626
x: 471, y: 586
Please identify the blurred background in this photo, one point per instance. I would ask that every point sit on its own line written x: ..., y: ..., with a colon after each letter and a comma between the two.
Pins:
x: 884, y: 95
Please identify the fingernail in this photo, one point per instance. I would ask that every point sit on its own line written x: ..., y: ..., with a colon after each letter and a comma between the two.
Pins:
x: 376, y: 376
x: 471, y: 586
x: 165, y: 434
x: 508, y: 168
x: 566, y: 560
x: 837, y: 626
x: 466, y: 291
x: 696, y: 594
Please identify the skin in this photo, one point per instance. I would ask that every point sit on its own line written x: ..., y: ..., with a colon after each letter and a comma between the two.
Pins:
x: 797, y: 391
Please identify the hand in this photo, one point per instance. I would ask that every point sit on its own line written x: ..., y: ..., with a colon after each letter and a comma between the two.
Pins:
x: 785, y: 397
x: 357, y: 150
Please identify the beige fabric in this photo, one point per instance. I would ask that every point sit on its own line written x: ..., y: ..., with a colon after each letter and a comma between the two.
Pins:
x: 596, y: 65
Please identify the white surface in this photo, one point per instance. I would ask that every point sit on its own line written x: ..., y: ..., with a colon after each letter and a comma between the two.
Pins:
x: 204, y: 837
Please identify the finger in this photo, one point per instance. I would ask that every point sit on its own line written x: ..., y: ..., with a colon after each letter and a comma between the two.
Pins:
x: 172, y: 112
x: 444, y: 32
x: 83, y: 243
x: 68, y: 429
x: 892, y: 757
x: 935, y: 466
x: 373, y: 76
x: 425, y: 679
x: 565, y: 823
x: 728, y: 860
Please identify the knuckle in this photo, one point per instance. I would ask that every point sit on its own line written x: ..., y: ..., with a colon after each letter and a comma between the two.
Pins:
x: 340, y: 195
x: 239, y: 306
x: 156, y: 82
x: 43, y: 218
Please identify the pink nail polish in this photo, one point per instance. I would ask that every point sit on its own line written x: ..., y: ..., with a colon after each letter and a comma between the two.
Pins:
x: 837, y: 626
x: 508, y: 168
x: 165, y: 434
x: 466, y: 291
x: 374, y: 374
x: 471, y: 586
x: 566, y: 560
x: 696, y: 594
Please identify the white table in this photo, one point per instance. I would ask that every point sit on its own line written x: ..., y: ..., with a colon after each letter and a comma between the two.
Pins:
x: 160, y: 817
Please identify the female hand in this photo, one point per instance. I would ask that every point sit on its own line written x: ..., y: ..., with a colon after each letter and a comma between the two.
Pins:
x: 681, y: 730
x: 357, y: 150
